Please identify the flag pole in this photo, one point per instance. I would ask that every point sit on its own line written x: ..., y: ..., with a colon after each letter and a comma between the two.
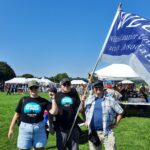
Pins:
x: 99, y: 58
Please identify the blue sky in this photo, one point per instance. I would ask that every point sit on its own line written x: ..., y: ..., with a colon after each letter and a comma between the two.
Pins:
x: 46, y: 37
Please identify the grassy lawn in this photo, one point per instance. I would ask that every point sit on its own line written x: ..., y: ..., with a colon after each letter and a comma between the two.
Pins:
x: 133, y: 133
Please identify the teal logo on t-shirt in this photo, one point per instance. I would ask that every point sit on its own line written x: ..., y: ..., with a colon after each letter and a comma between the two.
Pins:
x: 66, y: 101
x: 32, y: 108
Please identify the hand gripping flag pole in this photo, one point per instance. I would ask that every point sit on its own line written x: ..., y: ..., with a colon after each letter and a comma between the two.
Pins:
x: 99, y: 58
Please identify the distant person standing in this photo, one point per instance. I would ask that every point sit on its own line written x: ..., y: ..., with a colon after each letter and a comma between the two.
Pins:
x: 32, y: 128
x: 9, y: 89
x: 113, y: 92
x: 144, y: 92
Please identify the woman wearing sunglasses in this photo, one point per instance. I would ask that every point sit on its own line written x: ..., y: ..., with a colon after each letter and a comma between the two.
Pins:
x: 30, y: 109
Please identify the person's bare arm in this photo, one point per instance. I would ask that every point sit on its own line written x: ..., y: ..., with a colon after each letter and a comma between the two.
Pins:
x: 118, y: 118
x: 54, y: 109
x: 82, y: 103
x: 12, y: 125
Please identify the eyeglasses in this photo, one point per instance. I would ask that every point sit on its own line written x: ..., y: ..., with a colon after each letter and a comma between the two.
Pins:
x: 66, y: 84
x: 34, y: 87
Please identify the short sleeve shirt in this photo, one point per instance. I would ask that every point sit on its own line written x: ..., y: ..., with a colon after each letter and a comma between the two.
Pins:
x: 32, y: 109
x: 68, y: 104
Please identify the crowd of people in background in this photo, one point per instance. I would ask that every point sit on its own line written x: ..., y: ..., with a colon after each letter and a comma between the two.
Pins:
x: 1, y: 87
x: 131, y: 91
x: 120, y: 91
x: 12, y: 89
x: 15, y: 88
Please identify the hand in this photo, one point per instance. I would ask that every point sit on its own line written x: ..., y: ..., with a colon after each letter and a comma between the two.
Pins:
x: 52, y: 131
x: 83, y: 98
x: 51, y: 95
x: 10, y: 134
x: 113, y: 126
x: 86, y: 124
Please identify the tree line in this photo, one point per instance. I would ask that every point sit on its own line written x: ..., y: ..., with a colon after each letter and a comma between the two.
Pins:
x: 7, y: 73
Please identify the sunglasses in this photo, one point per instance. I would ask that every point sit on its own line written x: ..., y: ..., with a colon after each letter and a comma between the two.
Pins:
x: 66, y: 84
x: 34, y: 87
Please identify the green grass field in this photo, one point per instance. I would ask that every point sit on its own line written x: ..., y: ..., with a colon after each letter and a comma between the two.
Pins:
x: 133, y: 133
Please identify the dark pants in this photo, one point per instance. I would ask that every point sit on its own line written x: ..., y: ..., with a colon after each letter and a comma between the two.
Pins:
x: 71, y: 144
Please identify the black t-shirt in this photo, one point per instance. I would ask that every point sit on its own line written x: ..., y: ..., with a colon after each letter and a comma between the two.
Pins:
x: 68, y: 104
x: 32, y: 109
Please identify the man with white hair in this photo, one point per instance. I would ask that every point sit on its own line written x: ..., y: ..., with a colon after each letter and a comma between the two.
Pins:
x: 102, y: 115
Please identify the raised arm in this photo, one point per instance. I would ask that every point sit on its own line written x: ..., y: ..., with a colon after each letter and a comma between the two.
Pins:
x: 54, y: 108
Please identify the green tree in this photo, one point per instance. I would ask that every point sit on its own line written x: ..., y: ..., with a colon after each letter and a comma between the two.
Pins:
x: 52, y: 79
x: 27, y: 75
x: 6, y: 72
x: 59, y: 77
x: 1, y: 75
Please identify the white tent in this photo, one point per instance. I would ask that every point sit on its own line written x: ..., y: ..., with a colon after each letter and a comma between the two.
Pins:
x: 117, y: 72
x: 45, y: 81
x: 30, y: 79
x: 127, y: 82
x: 17, y: 81
x: 78, y: 82
x: 42, y: 81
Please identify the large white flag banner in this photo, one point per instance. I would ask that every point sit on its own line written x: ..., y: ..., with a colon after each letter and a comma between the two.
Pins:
x: 128, y: 42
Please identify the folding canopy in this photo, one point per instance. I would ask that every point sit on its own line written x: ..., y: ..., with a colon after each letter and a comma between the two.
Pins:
x: 78, y: 82
x: 117, y: 72
x: 45, y: 81
x: 17, y: 81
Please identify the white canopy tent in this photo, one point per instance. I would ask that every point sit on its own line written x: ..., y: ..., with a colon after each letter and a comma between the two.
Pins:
x: 16, y: 80
x: 127, y: 82
x: 45, y: 81
x: 19, y: 80
x: 117, y: 72
x: 78, y: 82
x: 30, y: 79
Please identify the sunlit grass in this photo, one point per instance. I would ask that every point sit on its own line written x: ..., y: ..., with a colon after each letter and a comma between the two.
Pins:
x: 133, y: 133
